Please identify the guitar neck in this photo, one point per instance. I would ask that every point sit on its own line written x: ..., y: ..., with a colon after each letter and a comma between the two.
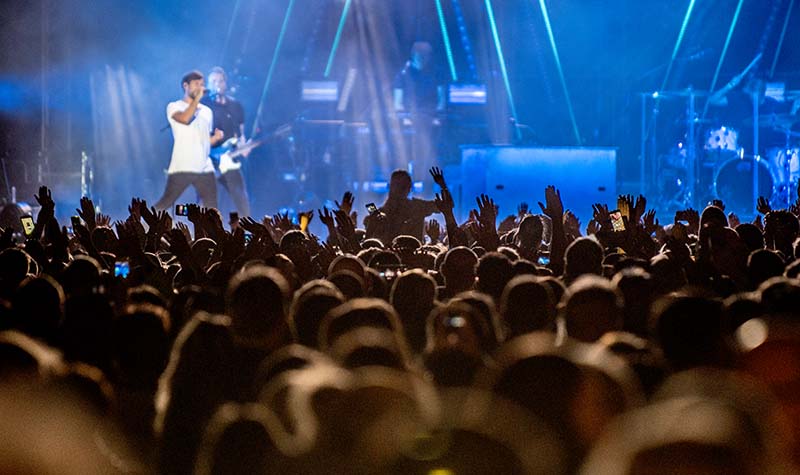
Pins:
x: 241, y: 150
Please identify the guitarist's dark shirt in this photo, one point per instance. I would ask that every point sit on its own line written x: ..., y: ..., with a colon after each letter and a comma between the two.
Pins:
x: 227, y: 116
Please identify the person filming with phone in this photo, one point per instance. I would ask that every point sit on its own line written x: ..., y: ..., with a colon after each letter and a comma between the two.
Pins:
x: 190, y: 165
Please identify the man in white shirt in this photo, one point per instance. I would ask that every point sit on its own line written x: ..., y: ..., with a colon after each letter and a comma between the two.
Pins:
x: 191, y: 124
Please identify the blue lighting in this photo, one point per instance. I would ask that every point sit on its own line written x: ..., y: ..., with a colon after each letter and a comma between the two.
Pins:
x: 678, y: 42
x: 501, y: 59
x: 277, y: 51
x: 338, y: 37
x: 446, y: 39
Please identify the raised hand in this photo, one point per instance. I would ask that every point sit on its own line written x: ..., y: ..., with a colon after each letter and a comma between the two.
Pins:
x: 212, y: 221
x: 572, y: 225
x: 433, y: 230
x: 45, y: 198
x: 46, y: 213
x: 762, y: 205
x: 438, y: 177
x: 626, y: 206
x: 87, y: 213
x: 282, y: 223
x: 554, y: 208
x: 592, y: 227
x: 326, y: 217
x: 650, y: 222
x: 444, y: 202
x: 103, y: 220
x: 179, y: 246
x: 185, y: 230
x: 487, y: 210
x: 347, y: 202
x: 149, y: 214
x: 135, y: 209
x: 345, y: 226
x: 129, y: 243
x: 638, y: 209
x: 194, y: 214
x: 601, y: 214
x: 719, y: 204
x: 759, y: 223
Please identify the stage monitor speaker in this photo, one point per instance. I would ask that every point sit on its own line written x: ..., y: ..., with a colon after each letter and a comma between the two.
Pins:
x: 511, y: 175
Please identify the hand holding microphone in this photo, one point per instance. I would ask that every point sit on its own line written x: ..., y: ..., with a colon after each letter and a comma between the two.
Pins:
x: 199, y: 93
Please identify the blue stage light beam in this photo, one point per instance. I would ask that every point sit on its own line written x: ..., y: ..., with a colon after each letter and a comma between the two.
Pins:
x: 678, y: 42
x: 780, y: 41
x: 732, y: 28
x: 338, y: 37
x: 272, y: 64
x: 446, y: 39
x: 553, y: 46
x: 499, y: 48
x: 234, y: 14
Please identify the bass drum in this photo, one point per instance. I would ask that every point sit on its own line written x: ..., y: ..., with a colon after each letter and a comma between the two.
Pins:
x: 733, y: 183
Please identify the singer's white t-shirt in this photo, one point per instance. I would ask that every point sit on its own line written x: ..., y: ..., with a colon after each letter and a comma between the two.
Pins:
x: 192, y: 142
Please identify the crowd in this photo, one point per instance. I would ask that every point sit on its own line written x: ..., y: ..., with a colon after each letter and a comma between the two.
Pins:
x: 532, y: 345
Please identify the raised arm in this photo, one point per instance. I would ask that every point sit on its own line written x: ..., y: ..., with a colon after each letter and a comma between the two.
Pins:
x: 186, y: 116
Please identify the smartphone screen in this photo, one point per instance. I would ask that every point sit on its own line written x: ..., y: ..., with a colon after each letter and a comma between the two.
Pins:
x: 122, y: 269
x: 181, y: 210
x: 543, y: 260
x: 616, y: 220
x: 371, y: 208
x: 303, y: 222
x: 27, y: 224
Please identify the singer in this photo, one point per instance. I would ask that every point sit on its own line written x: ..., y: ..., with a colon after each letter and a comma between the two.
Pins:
x: 191, y: 124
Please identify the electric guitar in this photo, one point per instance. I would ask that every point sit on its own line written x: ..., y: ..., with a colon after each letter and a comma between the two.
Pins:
x: 227, y: 155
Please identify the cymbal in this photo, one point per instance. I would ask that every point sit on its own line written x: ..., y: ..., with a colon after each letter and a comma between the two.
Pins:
x: 778, y: 121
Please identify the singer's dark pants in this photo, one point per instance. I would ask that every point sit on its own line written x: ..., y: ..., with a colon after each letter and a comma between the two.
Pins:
x: 233, y: 181
x: 204, y: 183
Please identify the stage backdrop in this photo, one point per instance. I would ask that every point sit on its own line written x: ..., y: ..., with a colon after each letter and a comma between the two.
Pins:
x: 511, y: 175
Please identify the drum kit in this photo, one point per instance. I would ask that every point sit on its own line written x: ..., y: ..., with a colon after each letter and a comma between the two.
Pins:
x: 695, y: 172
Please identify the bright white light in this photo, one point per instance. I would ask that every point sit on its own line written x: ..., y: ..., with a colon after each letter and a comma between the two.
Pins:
x: 752, y: 333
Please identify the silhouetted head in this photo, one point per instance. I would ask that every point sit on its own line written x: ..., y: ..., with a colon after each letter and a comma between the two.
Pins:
x: 494, y: 270
x: 592, y: 307
x: 763, y: 264
x: 307, y: 311
x: 399, y: 184
x: 413, y: 295
x: 458, y: 268
x: 256, y: 301
x: 527, y: 305
x: 583, y: 256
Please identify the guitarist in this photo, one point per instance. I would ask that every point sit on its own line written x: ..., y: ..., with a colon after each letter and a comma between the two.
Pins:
x: 229, y: 118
